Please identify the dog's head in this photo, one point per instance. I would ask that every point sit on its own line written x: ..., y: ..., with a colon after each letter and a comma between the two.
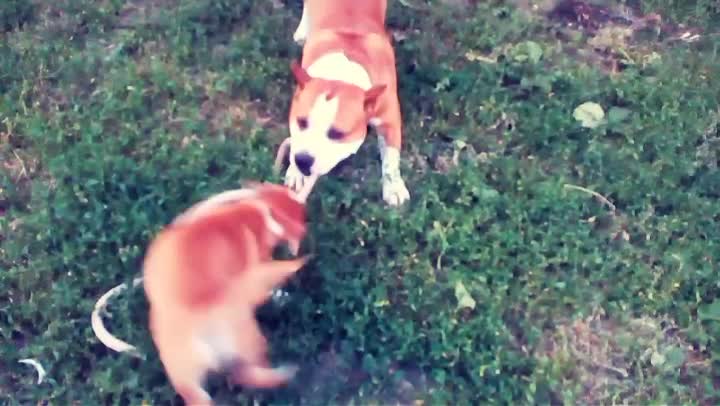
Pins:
x: 328, y: 121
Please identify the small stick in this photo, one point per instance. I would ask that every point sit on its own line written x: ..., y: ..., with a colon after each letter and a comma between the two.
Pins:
x: 600, y: 197
x: 623, y: 373
x: 98, y: 326
x: 283, y: 151
x: 22, y: 166
x: 38, y: 368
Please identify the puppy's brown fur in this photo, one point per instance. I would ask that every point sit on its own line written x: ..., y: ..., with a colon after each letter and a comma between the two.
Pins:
x: 204, y: 278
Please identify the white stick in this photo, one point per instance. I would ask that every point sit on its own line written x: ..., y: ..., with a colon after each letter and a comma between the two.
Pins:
x: 283, y: 151
x: 38, y: 367
x: 98, y: 326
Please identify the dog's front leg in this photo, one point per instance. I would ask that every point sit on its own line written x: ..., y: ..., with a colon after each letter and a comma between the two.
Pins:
x: 303, y: 28
x: 394, y: 190
x: 387, y: 121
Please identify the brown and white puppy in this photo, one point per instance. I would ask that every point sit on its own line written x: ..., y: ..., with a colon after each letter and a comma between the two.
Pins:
x: 347, y: 80
x: 204, y: 276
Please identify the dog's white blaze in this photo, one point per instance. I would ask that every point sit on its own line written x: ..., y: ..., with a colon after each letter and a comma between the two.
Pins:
x: 314, y: 140
x: 337, y: 66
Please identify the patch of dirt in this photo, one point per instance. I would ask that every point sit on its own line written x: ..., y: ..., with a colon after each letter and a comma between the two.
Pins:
x: 708, y: 152
x: 615, y: 33
x: 19, y: 165
x: 607, y: 357
x: 59, y: 17
x: 331, y: 373
x: 222, y: 112
x: 446, y: 155
x: 143, y: 12
x: 609, y: 36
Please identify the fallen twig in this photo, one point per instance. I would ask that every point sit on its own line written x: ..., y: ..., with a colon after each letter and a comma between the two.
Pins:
x: 38, y: 367
x: 283, y: 151
x: 579, y: 355
x: 600, y: 197
x: 98, y: 326
x: 23, y: 169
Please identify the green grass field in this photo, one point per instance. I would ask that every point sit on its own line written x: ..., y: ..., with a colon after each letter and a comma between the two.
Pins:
x: 504, y: 281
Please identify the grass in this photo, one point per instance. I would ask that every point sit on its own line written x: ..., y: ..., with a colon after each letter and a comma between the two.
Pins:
x: 497, y: 284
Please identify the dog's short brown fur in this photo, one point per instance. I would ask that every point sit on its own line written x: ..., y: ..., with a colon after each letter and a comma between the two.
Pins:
x: 204, y: 278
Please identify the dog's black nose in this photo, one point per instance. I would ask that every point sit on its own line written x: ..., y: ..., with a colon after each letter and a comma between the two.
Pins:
x: 304, y: 162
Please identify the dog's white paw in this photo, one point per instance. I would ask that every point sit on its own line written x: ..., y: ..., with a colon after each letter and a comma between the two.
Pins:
x: 299, y: 37
x: 301, y: 32
x: 395, y: 193
x: 294, y: 179
x: 279, y: 297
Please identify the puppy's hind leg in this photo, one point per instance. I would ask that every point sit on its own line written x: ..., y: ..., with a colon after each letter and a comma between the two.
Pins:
x: 263, y: 377
x: 186, y: 366
x: 193, y: 394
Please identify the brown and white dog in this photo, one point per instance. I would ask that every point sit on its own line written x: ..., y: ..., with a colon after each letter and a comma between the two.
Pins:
x: 347, y: 80
x: 204, y: 276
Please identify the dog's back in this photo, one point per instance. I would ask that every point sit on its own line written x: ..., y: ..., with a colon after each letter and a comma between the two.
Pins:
x: 359, y: 16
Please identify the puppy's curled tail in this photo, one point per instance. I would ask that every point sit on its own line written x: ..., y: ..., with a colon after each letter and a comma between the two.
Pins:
x: 98, y: 326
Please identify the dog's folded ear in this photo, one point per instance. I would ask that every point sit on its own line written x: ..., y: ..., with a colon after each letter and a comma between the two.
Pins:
x: 372, y: 94
x: 301, y: 75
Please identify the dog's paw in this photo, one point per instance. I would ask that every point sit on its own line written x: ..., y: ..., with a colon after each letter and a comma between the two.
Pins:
x: 301, y: 32
x: 294, y: 179
x: 279, y: 297
x: 395, y: 193
x: 287, y: 371
x: 299, y: 37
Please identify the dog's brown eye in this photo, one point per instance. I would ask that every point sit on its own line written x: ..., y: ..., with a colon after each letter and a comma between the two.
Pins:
x: 302, y: 123
x: 335, y: 134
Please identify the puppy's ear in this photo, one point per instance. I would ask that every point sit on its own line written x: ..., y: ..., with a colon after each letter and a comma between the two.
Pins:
x: 301, y: 75
x: 372, y: 94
